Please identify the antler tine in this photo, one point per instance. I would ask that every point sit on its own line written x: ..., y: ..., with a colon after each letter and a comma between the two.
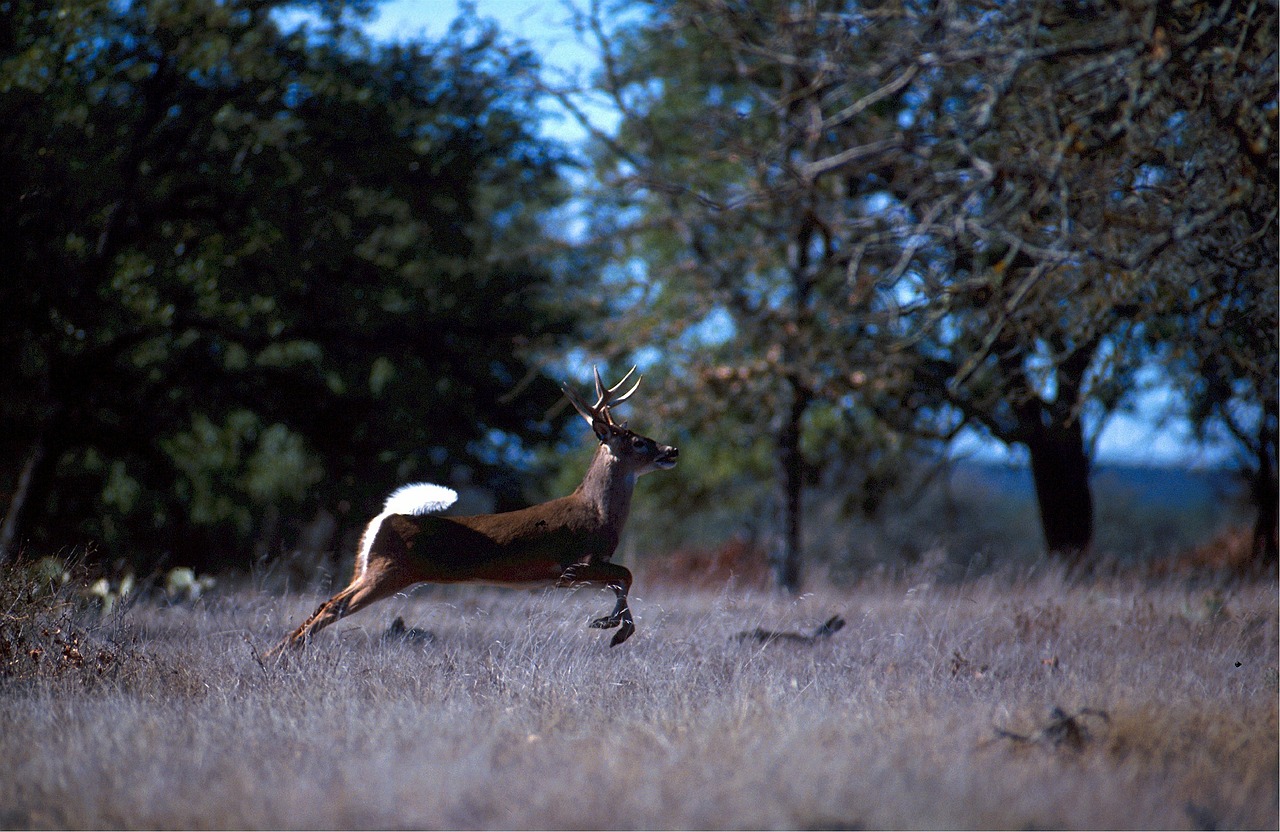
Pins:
x: 605, y: 398
x: 626, y: 395
x: 623, y: 380
x: 584, y: 410
x: 602, y: 396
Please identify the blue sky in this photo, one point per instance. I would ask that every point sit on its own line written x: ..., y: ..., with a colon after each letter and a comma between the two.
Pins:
x: 543, y: 23
x: 1151, y: 435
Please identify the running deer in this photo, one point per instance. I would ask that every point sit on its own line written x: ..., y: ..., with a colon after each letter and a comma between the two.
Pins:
x: 564, y: 542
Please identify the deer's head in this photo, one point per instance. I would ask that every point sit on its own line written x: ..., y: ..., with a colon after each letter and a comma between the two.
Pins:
x: 641, y: 453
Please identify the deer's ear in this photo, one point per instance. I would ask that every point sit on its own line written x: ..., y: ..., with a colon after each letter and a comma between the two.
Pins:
x: 606, y: 430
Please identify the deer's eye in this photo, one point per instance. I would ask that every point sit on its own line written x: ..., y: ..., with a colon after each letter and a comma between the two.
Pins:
x: 637, y: 442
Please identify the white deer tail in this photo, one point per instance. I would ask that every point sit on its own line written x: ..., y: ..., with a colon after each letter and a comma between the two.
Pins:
x: 415, y: 498
x: 419, y: 498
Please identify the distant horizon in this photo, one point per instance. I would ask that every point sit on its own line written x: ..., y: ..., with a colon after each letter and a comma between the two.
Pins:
x: 1020, y: 462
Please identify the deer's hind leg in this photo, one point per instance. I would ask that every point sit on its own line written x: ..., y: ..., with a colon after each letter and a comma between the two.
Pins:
x: 617, y: 578
x: 372, y: 585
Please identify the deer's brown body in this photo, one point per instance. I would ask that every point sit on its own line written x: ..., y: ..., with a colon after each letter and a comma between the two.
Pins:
x: 531, y: 546
x: 562, y: 542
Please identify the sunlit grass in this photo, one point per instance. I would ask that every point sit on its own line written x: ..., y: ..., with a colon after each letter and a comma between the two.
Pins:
x: 932, y: 708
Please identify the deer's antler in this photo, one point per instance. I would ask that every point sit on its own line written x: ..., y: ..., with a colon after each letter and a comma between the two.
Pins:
x: 605, y: 399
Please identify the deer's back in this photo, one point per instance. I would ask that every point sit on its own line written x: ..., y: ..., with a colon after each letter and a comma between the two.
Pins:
x: 527, y: 546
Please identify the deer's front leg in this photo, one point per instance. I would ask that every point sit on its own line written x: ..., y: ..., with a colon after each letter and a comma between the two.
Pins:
x: 617, y: 578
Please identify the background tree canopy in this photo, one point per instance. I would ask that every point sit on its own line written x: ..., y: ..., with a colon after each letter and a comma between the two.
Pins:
x: 862, y: 227
x: 255, y: 275
x: 247, y: 268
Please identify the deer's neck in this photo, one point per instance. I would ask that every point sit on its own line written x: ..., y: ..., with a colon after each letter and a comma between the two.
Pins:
x: 607, y: 487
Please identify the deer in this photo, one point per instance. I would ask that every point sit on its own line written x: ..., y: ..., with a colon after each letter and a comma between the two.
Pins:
x: 565, y: 542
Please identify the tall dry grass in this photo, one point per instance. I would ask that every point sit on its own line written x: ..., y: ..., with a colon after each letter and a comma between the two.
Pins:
x: 934, y: 707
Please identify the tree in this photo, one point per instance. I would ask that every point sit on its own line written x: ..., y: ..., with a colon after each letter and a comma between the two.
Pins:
x: 720, y: 180
x: 1224, y: 358
x: 1103, y: 151
x: 939, y: 214
x: 1218, y: 335
x: 251, y: 266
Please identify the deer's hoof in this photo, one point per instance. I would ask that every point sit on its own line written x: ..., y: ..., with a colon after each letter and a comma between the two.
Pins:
x: 607, y: 623
x: 623, y: 634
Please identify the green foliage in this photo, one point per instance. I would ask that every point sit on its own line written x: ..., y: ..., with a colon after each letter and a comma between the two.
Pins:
x: 723, y: 487
x: 248, y: 266
x: 230, y: 466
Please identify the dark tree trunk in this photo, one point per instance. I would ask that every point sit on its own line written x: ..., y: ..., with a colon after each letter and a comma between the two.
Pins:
x: 1266, y: 531
x: 786, y: 559
x: 1266, y: 495
x: 18, y: 502
x: 1060, y: 469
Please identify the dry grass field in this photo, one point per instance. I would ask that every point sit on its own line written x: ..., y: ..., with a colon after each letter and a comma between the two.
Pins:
x: 996, y: 703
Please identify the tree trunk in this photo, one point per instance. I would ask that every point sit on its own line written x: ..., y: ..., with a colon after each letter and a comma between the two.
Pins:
x: 1266, y: 531
x: 1060, y: 469
x: 18, y: 501
x: 1266, y: 496
x: 786, y: 558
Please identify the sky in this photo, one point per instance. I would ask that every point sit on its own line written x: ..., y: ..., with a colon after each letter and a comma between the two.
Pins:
x: 543, y: 23
x: 1147, y: 436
